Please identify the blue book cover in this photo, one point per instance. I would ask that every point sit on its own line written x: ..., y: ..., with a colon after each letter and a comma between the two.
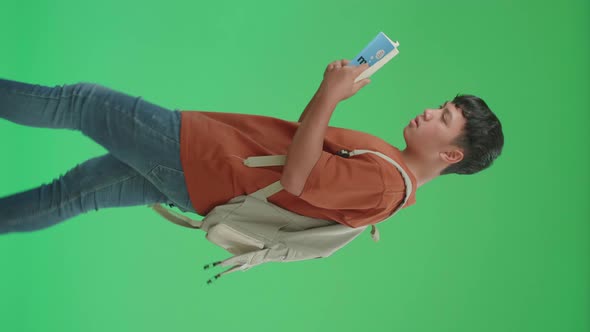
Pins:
x: 377, y: 53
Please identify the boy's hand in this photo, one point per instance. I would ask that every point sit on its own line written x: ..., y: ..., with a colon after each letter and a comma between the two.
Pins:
x: 338, y: 83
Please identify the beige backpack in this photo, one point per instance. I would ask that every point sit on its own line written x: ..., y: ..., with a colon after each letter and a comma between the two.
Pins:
x: 257, y: 231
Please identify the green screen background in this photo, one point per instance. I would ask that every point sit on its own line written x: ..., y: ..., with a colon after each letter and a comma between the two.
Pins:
x: 503, y: 250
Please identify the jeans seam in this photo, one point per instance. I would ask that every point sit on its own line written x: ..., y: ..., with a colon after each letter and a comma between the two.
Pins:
x: 95, y: 189
x: 118, y: 108
x: 103, y: 103
x: 149, y: 174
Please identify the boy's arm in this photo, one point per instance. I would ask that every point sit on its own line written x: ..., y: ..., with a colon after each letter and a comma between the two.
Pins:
x: 306, y: 110
x: 307, y: 144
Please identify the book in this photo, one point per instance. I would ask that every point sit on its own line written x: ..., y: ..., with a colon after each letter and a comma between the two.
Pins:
x: 377, y: 53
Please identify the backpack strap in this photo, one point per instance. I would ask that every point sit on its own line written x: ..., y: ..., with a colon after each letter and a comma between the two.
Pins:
x: 262, y: 194
x: 278, y: 160
x: 405, y: 176
x: 175, y: 217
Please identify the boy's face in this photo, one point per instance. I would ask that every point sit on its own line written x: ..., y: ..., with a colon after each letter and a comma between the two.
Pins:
x: 430, y: 134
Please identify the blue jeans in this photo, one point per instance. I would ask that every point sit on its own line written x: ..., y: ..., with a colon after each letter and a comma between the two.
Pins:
x: 142, y: 167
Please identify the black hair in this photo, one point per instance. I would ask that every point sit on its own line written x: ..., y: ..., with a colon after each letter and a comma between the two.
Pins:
x: 481, y: 139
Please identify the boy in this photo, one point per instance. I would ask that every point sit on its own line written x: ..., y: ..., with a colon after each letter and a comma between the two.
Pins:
x: 193, y: 160
x: 462, y: 136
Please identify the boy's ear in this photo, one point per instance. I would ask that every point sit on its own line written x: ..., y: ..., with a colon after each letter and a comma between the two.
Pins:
x: 452, y: 156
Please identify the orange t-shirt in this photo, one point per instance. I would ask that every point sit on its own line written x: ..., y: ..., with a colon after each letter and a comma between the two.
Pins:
x: 355, y: 191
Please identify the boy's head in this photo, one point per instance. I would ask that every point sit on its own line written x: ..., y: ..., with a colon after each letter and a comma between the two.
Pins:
x: 462, y: 133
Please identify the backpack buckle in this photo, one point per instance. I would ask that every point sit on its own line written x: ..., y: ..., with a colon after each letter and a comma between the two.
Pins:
x: 343, y: 153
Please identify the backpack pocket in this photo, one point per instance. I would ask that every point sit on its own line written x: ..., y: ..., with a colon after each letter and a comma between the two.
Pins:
x: 233, y: 240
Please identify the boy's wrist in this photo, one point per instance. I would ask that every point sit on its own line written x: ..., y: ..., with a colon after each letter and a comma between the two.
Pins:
x: 325, y: 97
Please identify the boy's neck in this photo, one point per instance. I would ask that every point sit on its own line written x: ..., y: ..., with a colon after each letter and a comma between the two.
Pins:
x: 424, y: 170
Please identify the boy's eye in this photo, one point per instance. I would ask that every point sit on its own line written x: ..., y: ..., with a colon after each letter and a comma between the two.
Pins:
x: 444, y: 120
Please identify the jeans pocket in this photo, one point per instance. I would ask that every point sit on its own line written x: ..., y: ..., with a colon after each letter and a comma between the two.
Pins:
x: 171, y: 182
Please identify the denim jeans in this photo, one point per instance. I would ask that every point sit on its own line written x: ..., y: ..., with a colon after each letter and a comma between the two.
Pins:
x: 142, y: 167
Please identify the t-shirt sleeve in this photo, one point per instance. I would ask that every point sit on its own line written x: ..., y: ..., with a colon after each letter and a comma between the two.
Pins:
x: 353, y: 186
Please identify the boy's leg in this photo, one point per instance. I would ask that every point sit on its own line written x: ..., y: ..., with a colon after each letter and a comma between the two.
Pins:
x: 143, y: 135
x: 97, y: 183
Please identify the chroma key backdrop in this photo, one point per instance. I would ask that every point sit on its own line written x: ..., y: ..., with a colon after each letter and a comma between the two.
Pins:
x: 503, y: 250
